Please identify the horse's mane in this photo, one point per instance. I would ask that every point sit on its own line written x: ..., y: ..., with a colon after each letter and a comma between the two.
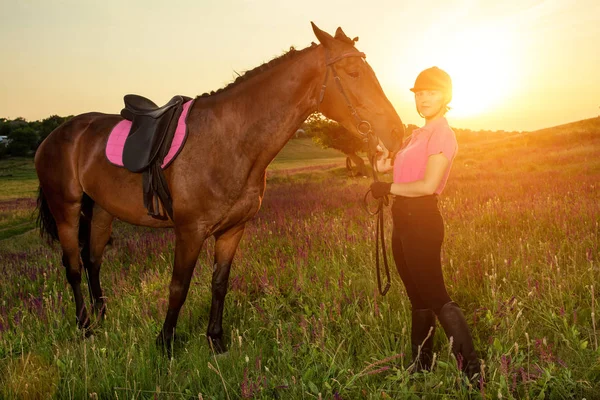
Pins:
x: 291, y: 53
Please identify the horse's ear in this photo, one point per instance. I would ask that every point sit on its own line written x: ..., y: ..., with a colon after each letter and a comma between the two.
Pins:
x: 339, y: 34
x: 342, y: 37
x: 324, y: 37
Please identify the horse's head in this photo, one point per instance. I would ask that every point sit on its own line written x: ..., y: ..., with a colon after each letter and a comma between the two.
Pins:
x: 352, y: 95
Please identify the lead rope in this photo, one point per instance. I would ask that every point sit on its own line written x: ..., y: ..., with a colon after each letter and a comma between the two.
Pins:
x: 379, y: 231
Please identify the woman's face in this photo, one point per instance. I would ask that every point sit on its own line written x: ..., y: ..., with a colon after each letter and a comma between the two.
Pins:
x: 430, y: 103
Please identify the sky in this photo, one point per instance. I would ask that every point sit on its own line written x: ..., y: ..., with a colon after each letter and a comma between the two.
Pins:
x: 515, y: 64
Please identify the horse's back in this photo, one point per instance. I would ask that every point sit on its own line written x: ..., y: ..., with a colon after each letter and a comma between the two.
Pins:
x: 69, y: 134
x: 56, y: 159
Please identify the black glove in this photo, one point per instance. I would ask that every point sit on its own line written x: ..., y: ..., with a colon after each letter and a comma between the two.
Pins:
x: 380, y: 189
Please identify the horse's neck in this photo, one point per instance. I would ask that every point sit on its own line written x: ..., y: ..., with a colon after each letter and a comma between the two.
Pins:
x: 276, y: 104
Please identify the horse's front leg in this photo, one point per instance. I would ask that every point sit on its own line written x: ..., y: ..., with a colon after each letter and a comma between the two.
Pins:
x: 225, y: 245
x: 187, y: 248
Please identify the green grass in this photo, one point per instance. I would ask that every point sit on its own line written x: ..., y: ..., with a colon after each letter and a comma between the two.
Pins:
x: 521, y: 256
x: 301, y: 153
x: 17, y: 178
x: 22, y: 226
x: 16, y: 216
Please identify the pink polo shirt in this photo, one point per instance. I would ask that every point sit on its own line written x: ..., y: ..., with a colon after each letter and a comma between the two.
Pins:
x: 411, y: 161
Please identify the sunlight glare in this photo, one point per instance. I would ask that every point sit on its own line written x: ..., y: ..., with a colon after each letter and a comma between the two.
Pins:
x: 482, y: 62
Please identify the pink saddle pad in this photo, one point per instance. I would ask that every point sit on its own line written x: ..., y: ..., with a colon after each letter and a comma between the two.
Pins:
x: 116, y: 139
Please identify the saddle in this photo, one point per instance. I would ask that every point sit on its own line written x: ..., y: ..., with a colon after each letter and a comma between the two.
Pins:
x: 149, y: 141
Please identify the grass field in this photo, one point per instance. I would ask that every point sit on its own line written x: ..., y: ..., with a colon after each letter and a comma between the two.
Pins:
x: 302, y: 317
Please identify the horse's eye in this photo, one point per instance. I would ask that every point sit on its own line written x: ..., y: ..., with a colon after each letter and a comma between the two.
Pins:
x: 355, y: 74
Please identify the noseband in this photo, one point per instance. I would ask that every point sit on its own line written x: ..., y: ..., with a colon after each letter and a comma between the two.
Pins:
x: 364, y: 129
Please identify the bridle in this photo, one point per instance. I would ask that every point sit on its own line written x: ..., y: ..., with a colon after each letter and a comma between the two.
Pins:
x: 362, y: 126
x: 364, y: 129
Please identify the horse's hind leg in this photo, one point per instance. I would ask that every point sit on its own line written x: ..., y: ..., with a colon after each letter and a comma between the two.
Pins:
x: 225, y: 247
x: 98, y: 225
x: 66, y: 213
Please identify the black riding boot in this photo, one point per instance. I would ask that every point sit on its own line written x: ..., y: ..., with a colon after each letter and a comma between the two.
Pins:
x: 422, y: 345
x: 453, y: 321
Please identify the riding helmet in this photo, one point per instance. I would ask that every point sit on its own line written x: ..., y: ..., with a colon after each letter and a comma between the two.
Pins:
x: 434, y: 78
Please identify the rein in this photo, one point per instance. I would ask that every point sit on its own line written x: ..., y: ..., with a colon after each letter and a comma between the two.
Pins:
x: 379, y: 232
x: 364, y: 129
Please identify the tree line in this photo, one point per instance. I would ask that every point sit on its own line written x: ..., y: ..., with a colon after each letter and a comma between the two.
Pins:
x: 330, y: 134
x: 19, y: 137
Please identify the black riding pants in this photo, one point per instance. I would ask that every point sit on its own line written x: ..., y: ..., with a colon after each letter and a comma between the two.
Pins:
x: 416, y: 243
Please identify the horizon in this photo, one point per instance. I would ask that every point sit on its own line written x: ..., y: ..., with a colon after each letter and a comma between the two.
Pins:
x: 536, y: 60
x: 405, y: 124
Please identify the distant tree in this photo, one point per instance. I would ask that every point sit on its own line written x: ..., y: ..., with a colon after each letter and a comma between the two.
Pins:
x: 49, y: 124
x: 22, y: 141
x: 330, y: 134
x: 20, y: 133
x: 3, y: 151
x: 17, y: 123
x: 4, y: 127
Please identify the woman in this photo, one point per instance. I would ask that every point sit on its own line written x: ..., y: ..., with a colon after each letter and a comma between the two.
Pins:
x: 420, y: 172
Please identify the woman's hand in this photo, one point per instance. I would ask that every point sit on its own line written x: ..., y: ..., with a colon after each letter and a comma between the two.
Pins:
x: 380, y: 189
x: 384, y: 162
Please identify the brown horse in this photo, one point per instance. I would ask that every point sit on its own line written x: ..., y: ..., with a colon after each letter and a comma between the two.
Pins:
x: 218, y: 180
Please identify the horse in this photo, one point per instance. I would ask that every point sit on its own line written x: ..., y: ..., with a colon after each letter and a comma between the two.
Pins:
x: 217, y: 181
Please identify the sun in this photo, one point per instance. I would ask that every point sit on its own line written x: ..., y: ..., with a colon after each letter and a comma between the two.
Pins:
x: 482, y: 62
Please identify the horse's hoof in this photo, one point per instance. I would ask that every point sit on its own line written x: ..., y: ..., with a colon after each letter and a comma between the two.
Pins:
x: 83, y: 324
x: 165, y: 344
x: 221, y: 356
x: 169, y: 344
x: 217, y: 345
x: 163, y: 340
x: 100, y: 311
x: 88, y: 332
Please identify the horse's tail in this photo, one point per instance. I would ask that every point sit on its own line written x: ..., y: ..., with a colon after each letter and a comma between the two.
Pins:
x: 45, y: 220
x: 85, y: 220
